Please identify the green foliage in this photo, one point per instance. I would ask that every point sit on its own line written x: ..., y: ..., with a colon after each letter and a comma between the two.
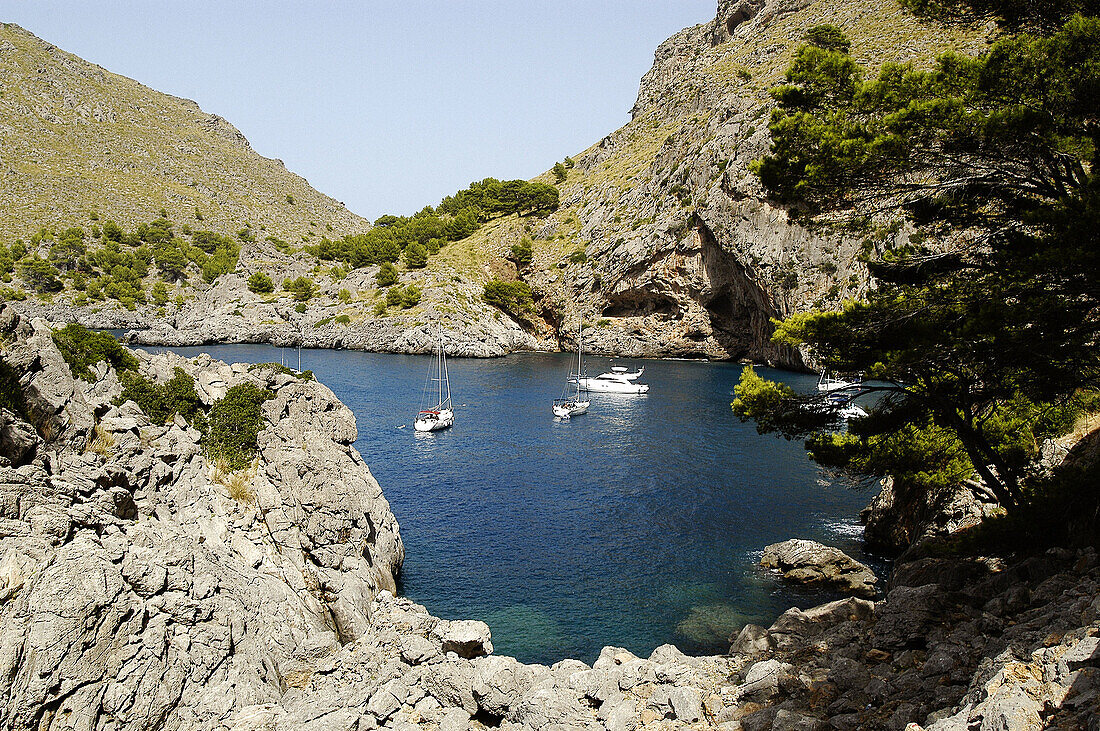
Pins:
x: 161, y: 402
x: 387, y: 275
x: 828, y: 37
x: 260, y: 283
x: 301, y: 288
x: 560, y: 173
x: 11, y: 392
x: 81, y: 348
x: 342, y: 320
x: 416, y: 256
x: 39, y: 274
x: 522, y: 252
x: 380, y: 308
x: 394, y: 297
x: 234, y: 425
x: 1046, y: 16
x: 344, y: 296
x: 411, y: 296
x: 578, y: 257
x: 159, y: 293
x: 981, y: 327
x: 512, y: 297
x: 300, y: 307
x: 171, y: 260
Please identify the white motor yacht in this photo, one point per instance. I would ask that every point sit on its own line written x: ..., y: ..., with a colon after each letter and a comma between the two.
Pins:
x: 610, y: 383
x: 826, y: 382
x: 627, y: 374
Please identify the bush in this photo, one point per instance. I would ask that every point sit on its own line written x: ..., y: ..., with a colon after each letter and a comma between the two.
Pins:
x: 300, y: 307
x: 416, y: 256
x: 394, y: 297
x: 234, y: 426
x: 301, y: 288
x: 159, y: 293
x: 411, y: 296
x: 578, y: 257
x: 387, y: 275
x: 342, y: 320
x: 39, y: 274
x: 522, y: 252
x: 560, y: 173
x: 280, y: 368
x: 379, y: 309
x: 260, y: 283
x: 512, y: 297
x: 162, y: 402
x: 81, y: 348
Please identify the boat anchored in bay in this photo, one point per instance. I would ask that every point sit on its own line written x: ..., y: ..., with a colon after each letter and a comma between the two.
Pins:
x: 442, y: 415
x: 568, y: 406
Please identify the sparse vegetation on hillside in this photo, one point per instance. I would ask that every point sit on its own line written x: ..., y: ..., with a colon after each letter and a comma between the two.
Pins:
x: 82, y: 348
x: 234, y: 425
x: 512, y: 297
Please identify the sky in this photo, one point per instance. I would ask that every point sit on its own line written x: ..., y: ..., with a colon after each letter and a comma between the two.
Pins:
x: 385, y: 106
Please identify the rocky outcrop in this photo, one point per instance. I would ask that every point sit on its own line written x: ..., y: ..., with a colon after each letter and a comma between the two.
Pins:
x: 898, y: 516
x: 813, y: 564
x: 142, y: 587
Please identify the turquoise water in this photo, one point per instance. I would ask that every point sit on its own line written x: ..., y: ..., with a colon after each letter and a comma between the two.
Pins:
x: 636, y: 524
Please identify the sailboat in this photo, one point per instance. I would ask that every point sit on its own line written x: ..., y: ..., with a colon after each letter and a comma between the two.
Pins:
x: 568, y: 406
x: 442, y: 415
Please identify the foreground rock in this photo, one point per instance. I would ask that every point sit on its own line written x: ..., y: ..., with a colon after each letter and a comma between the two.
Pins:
x: 816, y: 565
x: 141, y: 588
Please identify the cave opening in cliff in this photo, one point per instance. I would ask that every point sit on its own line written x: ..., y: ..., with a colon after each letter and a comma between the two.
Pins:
x: 640, y: 304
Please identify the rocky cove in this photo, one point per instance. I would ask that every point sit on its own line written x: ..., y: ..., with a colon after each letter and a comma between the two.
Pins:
x: 141, y: 587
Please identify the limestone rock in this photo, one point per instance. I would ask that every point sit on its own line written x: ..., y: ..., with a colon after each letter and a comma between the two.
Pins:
x: 813, y: 564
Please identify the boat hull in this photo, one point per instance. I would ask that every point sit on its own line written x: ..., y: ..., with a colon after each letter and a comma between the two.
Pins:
x: 606, y: 386
x: 564, y: 411
x: 435, y: 422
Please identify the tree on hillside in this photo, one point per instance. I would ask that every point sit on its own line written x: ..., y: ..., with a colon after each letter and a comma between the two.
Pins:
x: 983, y: 324
x: 39, y: 274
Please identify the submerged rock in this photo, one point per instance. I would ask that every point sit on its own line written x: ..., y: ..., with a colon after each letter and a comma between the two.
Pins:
x: 814, y: 564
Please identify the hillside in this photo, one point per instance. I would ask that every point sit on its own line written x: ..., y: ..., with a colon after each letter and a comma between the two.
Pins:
x: 663, y: 243
x: 77, y: 139
x: 682, y: 253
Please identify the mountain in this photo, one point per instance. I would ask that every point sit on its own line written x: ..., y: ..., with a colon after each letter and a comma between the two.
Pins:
x: 77, y: 139
x: 682, y: 253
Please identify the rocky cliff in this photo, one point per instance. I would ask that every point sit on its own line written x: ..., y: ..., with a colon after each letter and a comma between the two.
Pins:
x: 143, y: 587
x: 682, y: 252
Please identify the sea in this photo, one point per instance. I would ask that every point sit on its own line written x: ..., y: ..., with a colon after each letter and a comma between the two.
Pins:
x: 636, y: 524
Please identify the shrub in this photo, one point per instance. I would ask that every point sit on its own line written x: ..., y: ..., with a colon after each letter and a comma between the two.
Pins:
x: 300, y: 307
x: 344, y: 296
x: 280, y: 368
x: 512, y: 297
x: 39, y: 274
x: 234, y: 426
x: 387, y: 275
x: 379, y: 309
x: 159, y: 293
x: 342, y: 320
x: 578, y: 257
x: 416, y: 256
x: 522, y: 252
x: 261, y: 283
x: 301, y: 288
x: 394, y: 297
x: 560, y: 173
x: 411, y: 296
x: 162, y: 402
x: 81, y: 348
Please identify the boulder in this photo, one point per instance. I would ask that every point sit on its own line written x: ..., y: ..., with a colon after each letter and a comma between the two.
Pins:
x: 467, y: 638
x: 814, y: 564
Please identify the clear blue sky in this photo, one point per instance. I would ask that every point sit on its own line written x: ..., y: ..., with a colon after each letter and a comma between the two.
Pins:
x: 386, y: 106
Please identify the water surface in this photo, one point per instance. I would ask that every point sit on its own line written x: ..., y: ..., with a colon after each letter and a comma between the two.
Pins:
x: 636, y: 524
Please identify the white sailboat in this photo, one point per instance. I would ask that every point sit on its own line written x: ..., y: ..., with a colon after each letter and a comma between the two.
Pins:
x: 567, y: 405
x: 442, y: 415
x: 827, y: 383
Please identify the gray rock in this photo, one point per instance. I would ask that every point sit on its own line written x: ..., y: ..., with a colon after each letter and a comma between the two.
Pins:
x: 467, y: 638
x: 811, y: 563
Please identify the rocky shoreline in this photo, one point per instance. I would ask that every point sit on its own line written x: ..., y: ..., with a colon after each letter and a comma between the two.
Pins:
x: 141, y: 587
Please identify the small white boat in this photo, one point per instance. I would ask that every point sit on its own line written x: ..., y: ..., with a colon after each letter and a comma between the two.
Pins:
x: 572, y: 405
x: 442, y: 415
x: 628, y: 375
x: 610, y: 383
x: 826, y: 382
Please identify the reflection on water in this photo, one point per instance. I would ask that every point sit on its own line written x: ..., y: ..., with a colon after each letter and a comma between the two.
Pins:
x: 635, y: 524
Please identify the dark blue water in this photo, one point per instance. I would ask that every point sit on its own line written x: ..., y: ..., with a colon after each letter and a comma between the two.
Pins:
x: 636, y: 524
